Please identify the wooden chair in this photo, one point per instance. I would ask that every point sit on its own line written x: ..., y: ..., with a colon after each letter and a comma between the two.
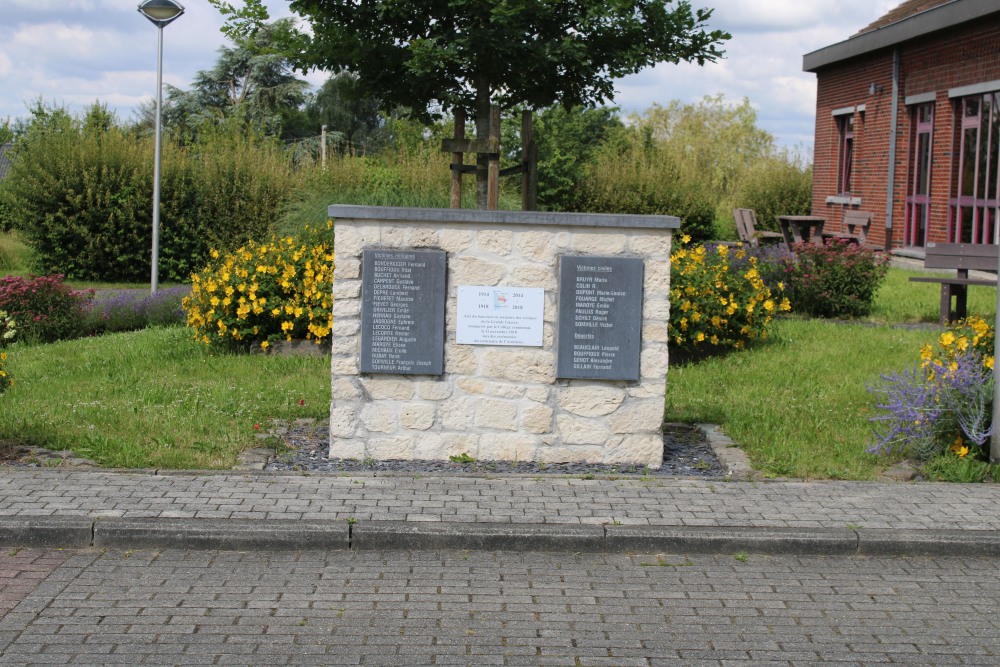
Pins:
x: 857, y: 224
x: 746, y: 227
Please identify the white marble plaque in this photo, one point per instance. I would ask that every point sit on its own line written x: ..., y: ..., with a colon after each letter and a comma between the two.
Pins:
x: 489, y: 315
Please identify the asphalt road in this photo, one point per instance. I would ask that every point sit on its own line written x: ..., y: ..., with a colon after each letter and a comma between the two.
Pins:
x: 175, y: 607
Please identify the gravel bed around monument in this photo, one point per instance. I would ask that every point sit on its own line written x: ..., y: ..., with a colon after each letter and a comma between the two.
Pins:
x: 687, y: 453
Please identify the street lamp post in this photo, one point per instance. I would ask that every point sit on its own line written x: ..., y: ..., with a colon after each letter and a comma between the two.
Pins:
x: 161, y: 13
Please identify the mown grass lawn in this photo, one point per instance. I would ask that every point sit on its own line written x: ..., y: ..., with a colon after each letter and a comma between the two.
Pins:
x: 796, y: 403
x: 154, y: 398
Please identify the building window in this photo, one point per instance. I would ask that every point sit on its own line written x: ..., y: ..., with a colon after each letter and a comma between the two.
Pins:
x: 974, y: 207
x: 918, y: 200
x: 845, y: 125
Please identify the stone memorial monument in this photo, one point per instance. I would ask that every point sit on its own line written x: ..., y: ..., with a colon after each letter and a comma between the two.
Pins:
x: 502, y: 335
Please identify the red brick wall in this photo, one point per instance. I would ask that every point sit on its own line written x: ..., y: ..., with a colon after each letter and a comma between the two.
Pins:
x: 955, y: 57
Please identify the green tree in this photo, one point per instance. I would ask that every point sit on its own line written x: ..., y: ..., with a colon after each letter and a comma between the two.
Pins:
x: 252, y: 84
x: 6, y: 132
x: 6, y: 154
x: 711, y: 137
x: 43, y: 118
x: 567, y: 141
x: 433, y: 56
x: 339, y: 105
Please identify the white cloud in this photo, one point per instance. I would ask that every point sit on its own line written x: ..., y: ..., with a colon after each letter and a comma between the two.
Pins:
x: 788, y: 15
x: 52, y: 6
x: 55, y: 40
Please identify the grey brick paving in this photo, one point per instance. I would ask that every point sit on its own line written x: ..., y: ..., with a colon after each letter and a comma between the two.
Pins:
x: 511, y: 499
x: 176, y: 607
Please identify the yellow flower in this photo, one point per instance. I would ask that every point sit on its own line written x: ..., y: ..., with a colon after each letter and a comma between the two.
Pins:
x: 947, y: 338
x: 263, y: 344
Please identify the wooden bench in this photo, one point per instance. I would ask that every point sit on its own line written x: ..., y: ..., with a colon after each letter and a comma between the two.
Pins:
x: 746, y: 227
x: 962, y: 257
x: 857, y: 224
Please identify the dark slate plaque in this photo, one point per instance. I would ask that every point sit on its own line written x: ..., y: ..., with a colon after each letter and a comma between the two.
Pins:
x: 402, y: 311
x: 600, y: 317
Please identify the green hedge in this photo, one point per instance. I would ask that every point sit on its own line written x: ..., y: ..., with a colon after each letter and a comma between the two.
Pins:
x: 83, y: 200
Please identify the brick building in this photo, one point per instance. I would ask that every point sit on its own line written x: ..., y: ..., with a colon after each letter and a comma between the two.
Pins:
x: 908, y: 125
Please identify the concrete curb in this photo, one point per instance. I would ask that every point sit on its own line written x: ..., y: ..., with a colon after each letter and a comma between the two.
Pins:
x: 223, y: 534
x: 46, y: 532
x: 477, y: 536
x: 732, y: 539
x: 277, y: 535
x: 904, y: 542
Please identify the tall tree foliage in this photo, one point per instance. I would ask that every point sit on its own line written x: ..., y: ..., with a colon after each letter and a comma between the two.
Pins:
x: 252, y: 84
x: 443, y: 54
x: 712, y: 137
x: 567, y: 141
x: 433, y: 56
x: 338, y: 105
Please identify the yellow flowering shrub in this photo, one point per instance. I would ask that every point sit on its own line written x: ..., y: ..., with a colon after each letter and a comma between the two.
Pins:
x: 971, y: 335
x: 8, y: 329
x: 264, y: 292
x: 718, y: 297
x: 943, y: 407
x: 6, y: 381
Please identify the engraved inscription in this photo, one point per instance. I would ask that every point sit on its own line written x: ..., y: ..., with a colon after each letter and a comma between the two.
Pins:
x: 500, y: 315
x: 600, y: 317
x: 402, y: 311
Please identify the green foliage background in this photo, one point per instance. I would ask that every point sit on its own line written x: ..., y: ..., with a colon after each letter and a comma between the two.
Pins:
x: 80, y: 193
x: 80, y: 189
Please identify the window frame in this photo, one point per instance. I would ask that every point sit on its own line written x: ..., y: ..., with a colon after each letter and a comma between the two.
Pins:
x: 918, y: 203
x: 974, y: 217
x: 846, y: 126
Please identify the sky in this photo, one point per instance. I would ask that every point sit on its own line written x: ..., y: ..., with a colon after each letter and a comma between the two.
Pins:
x: 76, y: 52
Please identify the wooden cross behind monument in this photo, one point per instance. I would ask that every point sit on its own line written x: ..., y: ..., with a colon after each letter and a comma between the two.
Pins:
x: 488, y: 168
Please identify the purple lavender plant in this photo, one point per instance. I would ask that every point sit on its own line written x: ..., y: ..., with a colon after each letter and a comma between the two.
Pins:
x: 969, y: 395
x: 910, y: 412
x: 133, y: 309
x: 924, y: 409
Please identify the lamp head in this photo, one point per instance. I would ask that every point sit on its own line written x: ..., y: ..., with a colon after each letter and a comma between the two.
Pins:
x: 161, y: 12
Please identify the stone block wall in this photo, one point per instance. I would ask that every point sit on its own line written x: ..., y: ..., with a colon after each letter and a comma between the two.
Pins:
x: 498, y: 402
